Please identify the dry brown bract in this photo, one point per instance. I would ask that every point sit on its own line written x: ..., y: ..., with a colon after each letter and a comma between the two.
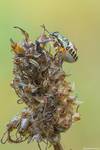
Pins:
x: 39, y: 81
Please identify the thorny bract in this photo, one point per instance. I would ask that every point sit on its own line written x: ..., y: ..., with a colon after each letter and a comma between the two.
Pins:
x: 40, y: 82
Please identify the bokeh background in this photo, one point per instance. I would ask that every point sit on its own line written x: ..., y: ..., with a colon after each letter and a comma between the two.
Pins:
x: 80, y: 21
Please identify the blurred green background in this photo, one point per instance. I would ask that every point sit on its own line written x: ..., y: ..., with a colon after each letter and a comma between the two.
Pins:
x: 80, y: 21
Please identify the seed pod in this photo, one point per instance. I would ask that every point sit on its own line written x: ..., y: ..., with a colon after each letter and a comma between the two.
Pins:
x: 37, y: 137
x: 76, y: 117
x: 16, y: 47
x: 24, y: 124
x: 32, y: 61
x: 13, y: 123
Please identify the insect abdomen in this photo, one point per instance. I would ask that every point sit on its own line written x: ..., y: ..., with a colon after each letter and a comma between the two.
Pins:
x: 71, y: 55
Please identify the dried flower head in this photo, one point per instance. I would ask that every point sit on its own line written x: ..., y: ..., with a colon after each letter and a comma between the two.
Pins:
x: 40, y: 82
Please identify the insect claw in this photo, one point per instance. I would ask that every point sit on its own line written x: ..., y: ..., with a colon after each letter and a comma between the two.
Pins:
x: 23, y: 32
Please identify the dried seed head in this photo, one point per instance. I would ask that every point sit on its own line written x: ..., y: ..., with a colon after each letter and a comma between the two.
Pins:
x: 40, y: 82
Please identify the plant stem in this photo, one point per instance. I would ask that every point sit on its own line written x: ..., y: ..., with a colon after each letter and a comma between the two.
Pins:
x: 58, y: 146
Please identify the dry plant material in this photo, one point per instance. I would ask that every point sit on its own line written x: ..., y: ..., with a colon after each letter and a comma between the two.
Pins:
x: 40, y: 82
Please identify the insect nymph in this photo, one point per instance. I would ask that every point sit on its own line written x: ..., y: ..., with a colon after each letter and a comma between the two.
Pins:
x: 67, y: 48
